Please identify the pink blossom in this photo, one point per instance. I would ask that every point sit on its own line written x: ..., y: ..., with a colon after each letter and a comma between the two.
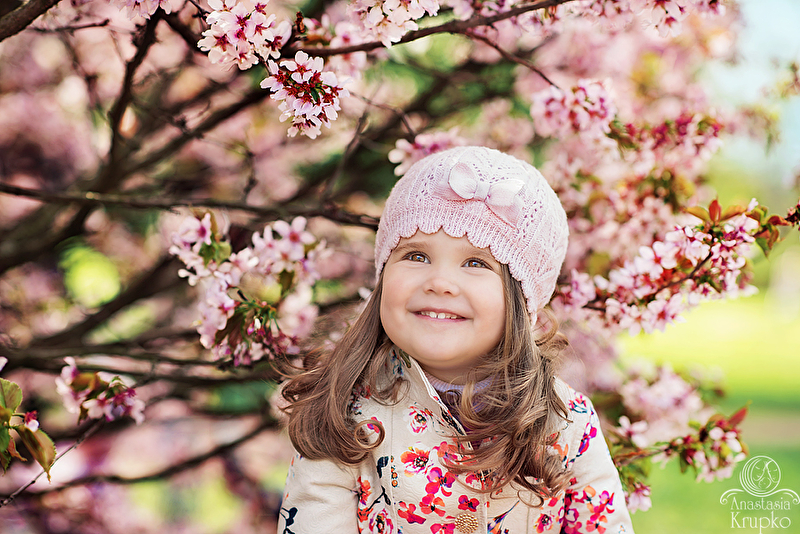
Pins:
x: 639, y: 498
x: 307, y: 95
x: 143, y: 8
x: 30, y: 421
x: 585, y: 109
x: 406, y: 154
x: 241, y: 34
x: 294, y: 235
x: 633, y: 431
x: 194, y: 232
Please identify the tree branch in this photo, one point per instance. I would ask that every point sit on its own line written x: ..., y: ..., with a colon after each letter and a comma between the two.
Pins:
x: 110, y: 173
x: 454, y: 26
x: 20, y: 18
x: 329, y: 211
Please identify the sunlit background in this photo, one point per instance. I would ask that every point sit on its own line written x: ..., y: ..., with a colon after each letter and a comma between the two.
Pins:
x: 752, y: 343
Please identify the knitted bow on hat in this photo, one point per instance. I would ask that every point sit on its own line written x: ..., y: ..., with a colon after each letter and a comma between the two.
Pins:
x: 500, y: 197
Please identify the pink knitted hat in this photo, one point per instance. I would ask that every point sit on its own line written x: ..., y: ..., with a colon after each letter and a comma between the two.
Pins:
x: 494, y: 199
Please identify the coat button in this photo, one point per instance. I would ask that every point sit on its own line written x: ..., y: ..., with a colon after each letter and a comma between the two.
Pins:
x: 466, y: 523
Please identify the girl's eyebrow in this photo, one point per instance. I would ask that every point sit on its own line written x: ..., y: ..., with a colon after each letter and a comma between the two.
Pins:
x: 409, y: 246
x: 478, y: 253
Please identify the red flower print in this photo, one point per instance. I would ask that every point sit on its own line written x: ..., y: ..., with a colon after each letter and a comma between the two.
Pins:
x: 374, y: 428
x: 406, y: 511
x: 418, y: 419
x: 570, y: 523
x: 588, y: 494
x: 578, y: 404
x: 596, y: 524
x: 604, y: 504
x: 447, y: 452
x: 437, y: 480
x: 415, y: 460
x: 431, y: 504
x: 465, y: 503
x: 544, y: 522
x: 381, y: 523
x: 439, y: 528
x: 363, y: 491
x: 588, y: 434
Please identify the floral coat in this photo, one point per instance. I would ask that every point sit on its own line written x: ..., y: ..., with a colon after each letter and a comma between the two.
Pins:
x: 404, y: 486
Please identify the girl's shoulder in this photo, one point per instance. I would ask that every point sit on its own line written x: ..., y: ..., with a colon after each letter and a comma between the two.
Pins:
x: 576, y: 402
x: 582, y: 422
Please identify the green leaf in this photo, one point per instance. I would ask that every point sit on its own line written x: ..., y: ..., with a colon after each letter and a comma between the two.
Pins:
x: 40, y: 446
x: 699, y: 212
x: 286, y: 280
x: 10, y: 395
x: 764, y: 244
x: 5, y: 438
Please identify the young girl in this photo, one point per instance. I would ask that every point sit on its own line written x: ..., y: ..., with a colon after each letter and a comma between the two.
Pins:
x: 438, y: 412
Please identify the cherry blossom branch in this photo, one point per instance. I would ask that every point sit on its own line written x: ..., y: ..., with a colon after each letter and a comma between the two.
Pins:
x: 355, y: 141
x: 168, y: 472
x: 454, y: 26
x: 20, y: 18
x: 329, y: 211
x: 183, y: 30
x: 599, y: 303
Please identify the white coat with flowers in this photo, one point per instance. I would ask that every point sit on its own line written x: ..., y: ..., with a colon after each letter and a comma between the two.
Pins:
x: 405, y: 487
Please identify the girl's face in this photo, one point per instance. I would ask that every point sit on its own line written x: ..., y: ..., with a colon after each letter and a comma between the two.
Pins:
x: 443, y: 303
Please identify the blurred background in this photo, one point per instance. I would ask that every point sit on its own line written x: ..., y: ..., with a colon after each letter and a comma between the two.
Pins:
x: 752, y: 343
x: 749, y: 345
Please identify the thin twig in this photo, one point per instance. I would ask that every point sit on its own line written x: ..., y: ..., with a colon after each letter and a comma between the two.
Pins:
x: 70, y: 29
x: 355, y: 141
x: 511, y: 57
x: 399, y: 112
x: 110, y: 173
x: 89, y: 432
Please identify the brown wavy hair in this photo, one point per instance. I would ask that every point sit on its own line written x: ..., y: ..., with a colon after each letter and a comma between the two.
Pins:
x: 517, y: 417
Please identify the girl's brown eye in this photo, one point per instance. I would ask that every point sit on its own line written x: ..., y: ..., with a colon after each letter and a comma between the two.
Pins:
x: 416, y: 256
x: 476, y: 263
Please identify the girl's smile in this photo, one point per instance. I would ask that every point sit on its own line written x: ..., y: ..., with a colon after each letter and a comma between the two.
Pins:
x: 443, y: 303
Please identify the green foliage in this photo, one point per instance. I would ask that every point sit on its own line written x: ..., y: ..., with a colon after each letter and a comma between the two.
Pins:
x: 89, y: 276
x: 39, y: 444
x: 10, y: 399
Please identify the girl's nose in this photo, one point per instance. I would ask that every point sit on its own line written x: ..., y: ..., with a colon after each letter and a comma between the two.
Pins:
x: 440, y: 283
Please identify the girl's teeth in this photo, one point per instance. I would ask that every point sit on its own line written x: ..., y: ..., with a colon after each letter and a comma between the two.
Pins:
x: 440, y: 315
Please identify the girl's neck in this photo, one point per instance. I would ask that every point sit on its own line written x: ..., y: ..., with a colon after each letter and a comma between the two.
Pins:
x: 442, y: 387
